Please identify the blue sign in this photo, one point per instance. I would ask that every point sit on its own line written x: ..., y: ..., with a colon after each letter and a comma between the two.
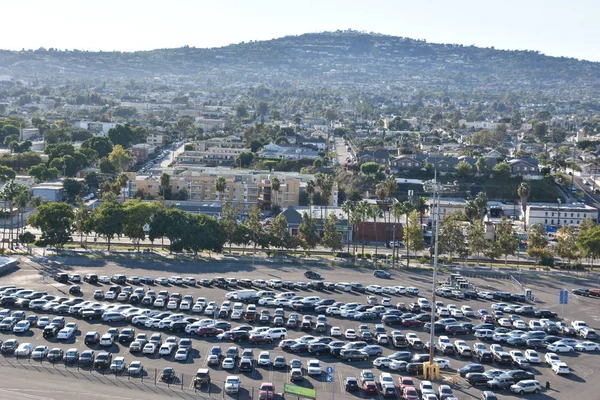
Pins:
x: 329, y: 370
x: 329, y: 378
x: 563, y: 297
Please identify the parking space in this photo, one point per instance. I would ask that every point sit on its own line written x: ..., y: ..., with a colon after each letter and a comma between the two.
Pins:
x: 582, y: 364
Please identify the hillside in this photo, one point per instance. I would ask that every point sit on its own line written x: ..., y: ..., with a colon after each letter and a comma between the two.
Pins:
x: 330, y: 58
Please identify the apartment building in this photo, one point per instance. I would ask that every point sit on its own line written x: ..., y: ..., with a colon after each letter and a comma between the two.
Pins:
x: 559, y: 214
x: 243, y: 188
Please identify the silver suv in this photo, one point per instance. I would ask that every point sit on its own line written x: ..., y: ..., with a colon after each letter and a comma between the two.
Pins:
x: 526, y: 386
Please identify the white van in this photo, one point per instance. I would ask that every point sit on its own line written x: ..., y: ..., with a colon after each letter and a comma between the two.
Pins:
x: 265, y: 293
x: 244, y: 294
x: 344, y: 286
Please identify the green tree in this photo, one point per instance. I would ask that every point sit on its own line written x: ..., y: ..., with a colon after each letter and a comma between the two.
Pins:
x: 476, y: 238
x: 421, y: 206
x: 523, y: 192
x: 506, y: 238
x: 332, y: 238
x: 502, y: 171
x: 137, y: 216
x: 482, y: 165
x: 244, y: 160
x: 464, y: 169
x: 452, y: 239
x: 101, y: 144
x: 7, y: 173
x: 229, y: 222
x: 275, y: 186
x: 73, y: 188
x: 220, y: 186
x: 106, y: 166
x: 120, y: 158
x: 308, y: 232
x: 588, y: 243
x: 369, y: 168
x: 279, y: 232
x: 537, y: 241
x: 82, y: 221
x: 566, y: 243
x: 165, y: 186
x: 241, y: 111
x: 256, y: 230
x: 108, y: 220
x: 540, y: 130
x: 481, y: 201
x: 413, y: 234
x: 55, y: 221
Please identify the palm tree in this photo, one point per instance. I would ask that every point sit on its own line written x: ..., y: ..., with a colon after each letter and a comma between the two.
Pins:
x: 471, y: 210
x: 122, y: 183
x: 8, y: 194
x: 524, y: 191
x: 275, y: 186
x: 220, y: 185
x: 326, y: 194
x: 421, y: 206
x: 165, y: 184
x: 399, y: 209
x: 374, y: 212
x: 23, y: 199
x: 349, y: 207
x: 363, y: 214
x: 310, y: 190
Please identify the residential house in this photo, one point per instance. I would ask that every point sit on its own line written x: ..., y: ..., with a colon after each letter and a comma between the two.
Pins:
x: 379, y: 156
x: 408, y: 162
x: 443, y: 164
x: 559, y: 214
x: 294, y: 215
x: 526, y: 167
x: 288, y: 152
x: 316, y: 142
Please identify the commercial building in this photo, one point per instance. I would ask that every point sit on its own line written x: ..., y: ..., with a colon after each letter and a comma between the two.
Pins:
x: 51, y: 191
x: 559, y: 214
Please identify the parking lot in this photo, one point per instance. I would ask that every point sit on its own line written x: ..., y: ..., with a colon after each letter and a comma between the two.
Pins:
x: 579, y: 308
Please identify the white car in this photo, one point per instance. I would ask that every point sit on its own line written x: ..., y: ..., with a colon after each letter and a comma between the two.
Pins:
x: 24, y: 350
x: 21, y: 327
x: 335, y: 331
x: 181, y: 354
x: 232, y: 384
x: 519, y: 324
x: 333, y: 311
x: 103, y: 279
x: 350, y: 334
x: 313, y: 367
x: 382, y: 362
x: 586, y: 346
x: 228, y: 363
x: 264, y: 358
x: 374, y: 289
x: 149, y: 348
x: 43, y: 322
x: 561, y: 368
x: 172, y: 305
x: 398, y: 365
x: 426, y: 388
x: 135, y: 368
x: 118, y: 364
x: 39, y: 353
x: 532, y: 356
x: 467, y: 311
x: 442, y: 362
x: 166, y: 349
x: 67, y: 332
x: 551, y: 358
x: 505, y: 322
x: 559, y: 348
x: 107, y: 340
x: 267, y: 301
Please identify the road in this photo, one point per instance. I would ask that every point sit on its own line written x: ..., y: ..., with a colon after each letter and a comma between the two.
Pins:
x: 172, y: 155
x: 342, y: 152
x: 589, y: 196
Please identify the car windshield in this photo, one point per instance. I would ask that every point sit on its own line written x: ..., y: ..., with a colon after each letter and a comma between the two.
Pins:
x: 368, y: 375
x: 232, y: 381
x: 387, y: 379
x: 268, y: 388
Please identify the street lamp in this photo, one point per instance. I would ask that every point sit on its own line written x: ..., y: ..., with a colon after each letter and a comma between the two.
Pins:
x: 436, y: 189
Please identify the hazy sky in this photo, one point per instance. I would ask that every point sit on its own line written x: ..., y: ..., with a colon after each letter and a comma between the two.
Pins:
x: 559, y: 28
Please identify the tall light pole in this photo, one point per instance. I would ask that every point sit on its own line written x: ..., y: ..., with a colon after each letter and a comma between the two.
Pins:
x: 559, y: 201
x: 436, y: 189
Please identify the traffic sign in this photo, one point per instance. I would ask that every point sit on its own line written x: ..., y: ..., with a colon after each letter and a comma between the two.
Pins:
x: 563, y: 297
x: 329, y: 378
x: 329, y: 370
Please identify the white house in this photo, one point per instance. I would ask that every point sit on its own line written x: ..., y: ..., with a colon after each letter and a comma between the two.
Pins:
x: 559, y: 214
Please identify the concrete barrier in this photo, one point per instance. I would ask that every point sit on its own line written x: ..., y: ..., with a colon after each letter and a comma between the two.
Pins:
x: 7, y: 264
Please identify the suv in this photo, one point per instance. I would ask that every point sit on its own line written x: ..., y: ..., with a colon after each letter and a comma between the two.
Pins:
x: 202, y: 377
x: 526, y: 386
x: 381, y: 273
x: 501, y: 382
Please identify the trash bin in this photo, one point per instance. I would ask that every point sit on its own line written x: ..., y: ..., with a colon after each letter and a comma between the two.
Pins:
x: 547, y: 385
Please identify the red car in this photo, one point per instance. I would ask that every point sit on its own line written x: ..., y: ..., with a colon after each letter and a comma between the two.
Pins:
x: 258, y: 338
x: 266, y: 391
x: 411, y: 322
x: 487, y: 319
x: 405, y: 381
x: 410, y: 393
x: 207, y: 331
x: 369, y: 387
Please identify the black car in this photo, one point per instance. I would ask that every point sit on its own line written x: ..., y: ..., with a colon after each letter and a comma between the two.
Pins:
x: 485, y: 356
x: 312, y: 275
x: 147, y: 280
x: 102, y: 360
x: 86, y: 358
x: 246, y: 365
x: 168, y: 375
x: 379, y: 273
x: 50, y: 331
x: 299, y: 348
x: 127, y: 335
x: 91, y: 338
x: 476, y: 378
x: 471, y: 368
x: 61, y: 277
x: 414, y: 368
x: 456, y: 330
x: 316, y: 285
x: 438, y: 327
x: 9, y: 346
x: 391, y: 320
x: 90, y: 278
x: 581, y: 292
x: 545, y: 314
x: 350, y: 384
x: 518, y: 375
x: 178, y: 326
